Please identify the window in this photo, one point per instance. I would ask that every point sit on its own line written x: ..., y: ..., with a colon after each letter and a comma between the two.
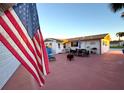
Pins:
x: 74, y: 44
x: 64, y: 46
x: 92, y: 42
x: 58, y: 45
x: 50, y: 44
x: 104, y: 43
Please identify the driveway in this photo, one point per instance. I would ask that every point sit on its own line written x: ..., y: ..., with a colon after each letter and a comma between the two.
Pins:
x: 83, y: 73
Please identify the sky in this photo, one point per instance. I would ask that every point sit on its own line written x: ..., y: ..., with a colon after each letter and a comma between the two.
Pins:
x: 68, y: 20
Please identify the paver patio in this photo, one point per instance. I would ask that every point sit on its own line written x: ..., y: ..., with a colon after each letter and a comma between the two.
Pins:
x: 95, y: 72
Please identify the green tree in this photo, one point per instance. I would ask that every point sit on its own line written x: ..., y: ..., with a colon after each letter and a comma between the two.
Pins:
x: 117, y: 7
x: 120, y: 34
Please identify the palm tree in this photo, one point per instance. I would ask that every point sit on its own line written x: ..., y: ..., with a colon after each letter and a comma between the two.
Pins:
x: 120, y: 34
x: 117, y: 7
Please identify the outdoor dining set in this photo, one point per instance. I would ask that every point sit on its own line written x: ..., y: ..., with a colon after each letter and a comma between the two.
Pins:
x: 83, y: 52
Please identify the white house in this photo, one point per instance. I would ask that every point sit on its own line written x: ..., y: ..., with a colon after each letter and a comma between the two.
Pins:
x: 117, y: 43
x: 55, y: 44
x: 100, y: 42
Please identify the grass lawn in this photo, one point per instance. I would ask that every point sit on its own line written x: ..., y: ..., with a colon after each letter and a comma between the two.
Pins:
x: 120, y: 47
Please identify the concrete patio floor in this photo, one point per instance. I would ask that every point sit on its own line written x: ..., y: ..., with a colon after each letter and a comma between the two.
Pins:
x: 97, y: 72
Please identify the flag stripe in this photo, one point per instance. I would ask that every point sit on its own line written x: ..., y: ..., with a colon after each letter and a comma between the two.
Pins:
x: 23, y: 43
x: 18, y: 25
x: 7, y: 41
x: 45, y: 56
x: 16, y: 21
x: 22, y: 31
x: 6, y: 20
x: 38, y: 39
x: 15, y: 39
x: 36, y: 44
x: 38, y: 53
x: 12, y: 19
x: 40, y: 49
x: 39, y: 63
x: 37, y: 47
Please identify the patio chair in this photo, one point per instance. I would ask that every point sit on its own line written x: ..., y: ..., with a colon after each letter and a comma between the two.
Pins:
x: 86, y: 53
x: 83, y: 52
x: 80, y: 52
x: 74, y: 52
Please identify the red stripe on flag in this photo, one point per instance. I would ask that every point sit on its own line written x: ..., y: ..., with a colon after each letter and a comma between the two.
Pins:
x: 5, y: 42
x: 38, y: 39
x: 38, y: 52
x: 20, y: 31
x: 15, y: 39
x: 46, y: 61
x: 40, y: 57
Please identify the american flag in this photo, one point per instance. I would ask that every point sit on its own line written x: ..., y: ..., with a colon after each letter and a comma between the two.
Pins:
x: 20, y: 33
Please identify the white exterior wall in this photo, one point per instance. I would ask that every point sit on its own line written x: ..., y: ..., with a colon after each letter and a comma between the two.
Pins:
x: 91, y: 44
x: 85, y: 44
x: 118, y: 44
x: 104, y: 48
x: 55, y: 47
x: 8, y: 65
x: 68, y: 45
x: 59, y: 50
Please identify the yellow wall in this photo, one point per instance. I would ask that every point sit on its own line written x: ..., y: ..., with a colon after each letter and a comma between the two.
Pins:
x: 106, y: 40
